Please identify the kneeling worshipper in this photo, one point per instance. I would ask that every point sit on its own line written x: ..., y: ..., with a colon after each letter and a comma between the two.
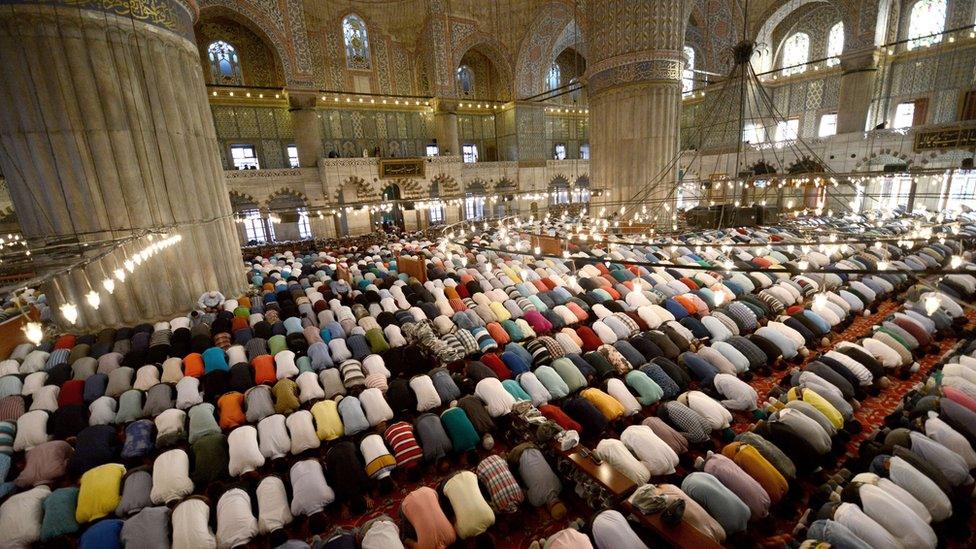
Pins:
x: 543, y: 486
x: 426, y: 525
x: 612, y: 531
x: 472, y: 514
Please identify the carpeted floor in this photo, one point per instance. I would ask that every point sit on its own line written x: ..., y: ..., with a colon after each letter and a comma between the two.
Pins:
x: 533, y: 524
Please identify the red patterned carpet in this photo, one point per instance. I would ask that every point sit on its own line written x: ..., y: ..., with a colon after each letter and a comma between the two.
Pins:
x: 536, y: 523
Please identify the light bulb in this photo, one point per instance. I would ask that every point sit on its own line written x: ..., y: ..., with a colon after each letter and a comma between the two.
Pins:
x: 955, y: 262
x: 820, y: 300
x: 69, y: 312
x: 882, y: 265
x: 932, y: 304
x: 34, y: 332
x: 129, y: 265
x: 119, y: 274
x: 109, y: 285
x: 93, y: 299
x: 803, y: 264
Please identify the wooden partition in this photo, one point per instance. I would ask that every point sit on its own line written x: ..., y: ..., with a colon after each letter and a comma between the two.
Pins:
x: 413, y: 267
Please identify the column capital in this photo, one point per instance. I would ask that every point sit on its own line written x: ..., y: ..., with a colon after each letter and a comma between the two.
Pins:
x: 445, y: 105
x: 302, y: 99
x: 860, y: 60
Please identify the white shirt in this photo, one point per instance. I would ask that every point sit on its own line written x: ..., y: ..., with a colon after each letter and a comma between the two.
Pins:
x: 31, y: 430
x: 612, y: 531
x: 245, y: 453
x: 273, y: 510
x: 710, y: 409
x: 739, y: 394
x: 146, y: 377
x: 236, y: 524
x: 273, y: 436
x: 102, y: 411
x: 188, y: 393
x: 922, y: 487
x: 285, y: 365
x: 374, y: 405
x: 21, y: 516
x: 619, y: 457
x: 888, y: 357
x: 46, y: 398
x: 865, y: 527
x: 654, y: 453
x: 619, y: 391
x: 896, y: 517
x: 382, y: 534
x: 310, y: 492
x: 896, y: 492
x: 191, y: 525
x: 171, y: 477
x: 301, y: 430
x: 940, y: 431
x: 427, y: 397
x: 497, y: 400
x: 308, y: 387
x: 170, y: 422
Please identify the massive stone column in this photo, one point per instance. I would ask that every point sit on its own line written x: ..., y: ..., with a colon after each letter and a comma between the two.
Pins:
x: 634, y: 86
x: 520, y: 130
x: 856, y: 90
x: 308, y: 128
x: 446, y: 126
x: 105, y: 135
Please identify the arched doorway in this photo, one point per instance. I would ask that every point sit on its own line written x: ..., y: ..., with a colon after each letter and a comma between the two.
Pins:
x: 292, y: 212
x: 394, y: 217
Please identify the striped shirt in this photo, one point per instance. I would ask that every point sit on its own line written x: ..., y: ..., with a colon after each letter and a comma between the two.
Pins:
x: 401, y: 439
x: 506, y: 494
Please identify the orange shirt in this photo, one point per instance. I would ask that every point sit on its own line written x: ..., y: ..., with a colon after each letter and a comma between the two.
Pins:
x: 264, y: 369
x: 231, y: 407
x: 193, y: 365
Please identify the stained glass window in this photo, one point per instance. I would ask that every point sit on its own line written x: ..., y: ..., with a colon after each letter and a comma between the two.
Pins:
x: 926, y: 23
x: 688, y: 75
x: 554, y: 80
x: 835, y: 44
x: 225, y: 66
x: 796, y: 53
x: 357, y: 42
x: 465, y: 79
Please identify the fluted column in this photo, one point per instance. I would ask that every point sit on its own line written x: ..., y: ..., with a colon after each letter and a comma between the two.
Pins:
x: 634, y: 87
x: 308, y: 129
x: 856, y: 90
x: 107, y: 134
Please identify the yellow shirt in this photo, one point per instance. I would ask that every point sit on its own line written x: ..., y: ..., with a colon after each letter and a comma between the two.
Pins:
x: 759, y: 468
x: 328, y: 424
x: 99, y: 493
x: 608, y: 406
x: 821, y: 404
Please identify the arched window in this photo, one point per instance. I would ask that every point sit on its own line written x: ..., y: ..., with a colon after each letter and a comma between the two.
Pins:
x: 835, y: 44
x: 474, y: 201
x: 796, y: 53
x: 465, y: 79
x: 357, y: 42
x: 688, y: 75
x: 554, y: 80
x: 225, y: 66
x: 926, y: 23
x: 436, y: 209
